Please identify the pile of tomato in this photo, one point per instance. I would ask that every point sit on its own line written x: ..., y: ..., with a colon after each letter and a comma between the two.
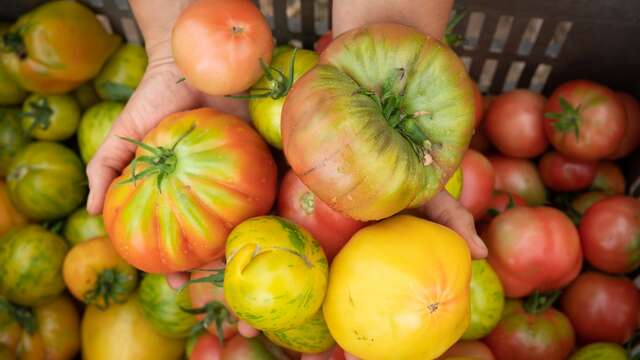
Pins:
x: 304, y: 223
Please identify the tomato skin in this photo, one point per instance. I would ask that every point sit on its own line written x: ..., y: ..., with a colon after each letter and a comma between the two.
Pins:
x: 218, y: 45
x: 65, y: 45
x: 412, y: 274
x: 533, y: 249
x: 256, y: 348
x: 472, y: 349
x: 95, y: 125
x: 224, y: 173
x: 82, y: 226
x: 515, y: 124
x: 46, y: 181
x: 206, y: 347
x: 631, y: 138
x: 502, y: 201
x: 610, y: 234
x: 31, y: 265
x: 584, y: 201
x: 522, y: 335
x: 609, y: 178
x: 561, y: 173
x: 323, y: 42
x: 122, y: 73
x: 11, y: 93
x: 61, y: 122
x: 312, y: 337
x: 601, y: 123
x: 329, y: 227
x: 487, y: 300
x: 9, y: 216
x: 480, y: 140
x: 600, y: 351
x: 478, y: 180
x: 86, y: 96
x: 12, y: 138
x: 397, y: 175
x: 519, y: 176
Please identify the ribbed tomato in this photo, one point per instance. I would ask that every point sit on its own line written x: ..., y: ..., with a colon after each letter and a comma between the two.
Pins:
x: 196, y: 175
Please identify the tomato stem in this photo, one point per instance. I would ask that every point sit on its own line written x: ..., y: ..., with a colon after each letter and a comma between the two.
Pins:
x: 452, y: 39
x: 12, y: 40
x: 279, y: 83
x: 21, y: 314
x: 109, y: 289
x: 539, y: 302
x: 217, y: 278
x: 40, y: 112
x: 215, y: 312
x: 566, y: 120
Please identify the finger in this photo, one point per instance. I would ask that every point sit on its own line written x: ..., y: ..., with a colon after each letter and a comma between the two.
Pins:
x: 447, y: 211
x: 322, y: 356
x: 247, y: 330
x: 177, y: 280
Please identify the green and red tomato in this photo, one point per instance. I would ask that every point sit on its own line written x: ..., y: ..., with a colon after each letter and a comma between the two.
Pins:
x: 562, y: 173
x: 487, y: 300
x: 609, y: 179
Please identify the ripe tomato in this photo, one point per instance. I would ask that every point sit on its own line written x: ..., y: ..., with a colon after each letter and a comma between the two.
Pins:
x: 531, y: 334
x: 276, y: 273
x: 561, y: 173
x: 218, y: 45
x: 584, y: 120
x: 472, y: 349
x: 602, y: 307
x: 82, y: 226
x: 584, y: 201
x: 515, y: 124
x: 122, y: 73
x: 423, y: 307
x: 12, y: 137
x: 56, y: 47
x: 197, y: 175
x: 631, y: 138
x: 206, y: 347
x: 95, y: 125
x: 312, y: 337
x: 9, y: 216
x: 609, y: 178
x: 487, y: 300
x: 610, y: 234
x: 477, y: 183
x: 298, y: 204
x: 502, y: 201
x: 52, y: 117
x: 323, y: 42
x: 412, y: 142
x: 600, y: 351
x: 241, y: 348
x: 519, y: 176
x: 95, y: 274
x: 533, y: 249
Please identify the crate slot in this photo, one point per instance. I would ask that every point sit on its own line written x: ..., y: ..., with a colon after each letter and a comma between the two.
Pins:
x: 104, y: 21
x: 501, y: 34
x: 130, y: 30
x: 486, y: 74
x: 294, y: 16
x: 122, y: 5
x: 560, y: 35
x: 96, y: 3
x: 539, y: 78
x: 266, y: 7
x: 322, y: 16
x: 530, y: 36
x: 513, y: 76
x: 466, y: 61
x: 474, y: 28
x: 297, y: 43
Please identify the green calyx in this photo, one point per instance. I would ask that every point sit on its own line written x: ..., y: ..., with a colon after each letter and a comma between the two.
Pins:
x: 40, y: 111
x: 539, y: 302
x: 308, y: 203
x: 110, y: 289
x: 216, y: 278
x: 21, y: 314
x: 162, y: 161
x: 450, y: 37
x: 12, y: 42
x: 216, y: 313
x: 566, y: 120
x: 279, y: 83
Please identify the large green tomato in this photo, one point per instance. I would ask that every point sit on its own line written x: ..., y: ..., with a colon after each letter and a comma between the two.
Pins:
x: 269, y: 93
x: 381, y: 123
x: 311, y: 337
x: 12, y: 137
x: 600, y: 351
x: 487, y: 300
x: 122, y: 73
x: 163, y: 306
x: 31, y: 265
x: 11, y: 93
x: 276, y: 274
x: 46, y: 181
x: 50, y: 117
x: 95, y: 125
x: 82, y: 226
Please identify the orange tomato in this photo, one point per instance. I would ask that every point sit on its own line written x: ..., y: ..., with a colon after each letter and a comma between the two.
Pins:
x: 9, y: 216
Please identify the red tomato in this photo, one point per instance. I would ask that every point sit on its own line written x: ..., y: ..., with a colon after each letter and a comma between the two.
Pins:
x: 533, y: 249
x: 631, y: 138
x: 519, y: 176
x: 610, y: 234
x: 515, y: 124
x: 584, y: 120
x: 583, y: 202
x: 561, y: 173
x: 218, y: 45
x: 472, y: 349
x: 502, y: 201
x: 241, y: 348
x: 478, y: 104
x: 207, y: 347
x: 337, y: 354
x: 602, y: 307
x: 477, y: 183
x: 323, y: 42
x: 525, y: 334
x: 297, y: 203
x: 609, y: 178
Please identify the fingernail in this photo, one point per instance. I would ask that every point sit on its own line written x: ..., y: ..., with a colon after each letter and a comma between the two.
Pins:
x: 478, y: 241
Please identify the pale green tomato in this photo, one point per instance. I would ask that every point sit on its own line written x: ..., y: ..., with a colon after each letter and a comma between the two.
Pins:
x: 95, y: 125
x: 311, y: 337
x: 487, y: 300
x: 600, y: 351
x: 50, y: 117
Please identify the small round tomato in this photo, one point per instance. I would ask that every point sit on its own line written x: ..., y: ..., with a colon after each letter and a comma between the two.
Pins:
x: 323, y: 42
x: 82, y: 226
x: 95, y: 125
x: 329, y: 227
x: 95, y: 274
x: 12, y: 137
x: 600, y: 351
x: 312, y: 337
x: 472, y: 349
x: 631, y: 138
x: 609, y: 179
x: 533, y: 249
x: 9, y: 216
x: 519, y: 176
x: 276, y: 273
x: 527, y: 333
x: 122, y: 73
x: 515, y: 124
x: 52, y: 117
x: 602, y: 307
x: 610, y: 234
x: 218, y: 45
x: 501, y: 202
x: 206, y: 347
x: 487, y: 300
x: 425, y: 299
x: 584, y: 120
x: 561, y: 173
x: 584, y: 201
x: 477, y: 183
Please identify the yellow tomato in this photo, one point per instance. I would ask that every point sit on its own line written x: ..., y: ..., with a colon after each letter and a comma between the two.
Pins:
x: 399, y: 290
x: 9, y: 216
x: 311, y: 337
x: 454, y: 185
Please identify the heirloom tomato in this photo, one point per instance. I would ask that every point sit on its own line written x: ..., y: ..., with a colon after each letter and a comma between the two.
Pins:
x: 631, y: 138
x: 12, y: 137
x: 519, y: 176
x: 195, y: 176
x: 501, y: 202
x: 86, y: 96
x: 533, y: 249
x: 323, y: 42
x: 95, y: 274
x: 204, y: 347
x: 276, y: 274
x: 31, y: 265
x: 11, y: 93
x: 256, y: 348
x: 609, y: 178
x: 584, y: 120
x: 95, y: 125
x: 414, y: 276
x: 9, y: 216
x: 82, y: 226
x: 561, y: 173
x: 487, y: 300
x: 311, y: 337
x: 477, y: 183
x: 50, y: 117
x: 218, y: 45
x: 600, y: 351
x: 381, y: 123
x: 122, y: 73
x: 471, y: 349
x: 298, y: 204
x: 56, y: 47
x: 584, y: 201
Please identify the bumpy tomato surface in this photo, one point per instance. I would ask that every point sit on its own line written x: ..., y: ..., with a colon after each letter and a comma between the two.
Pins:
x: 414, y: 276
x: 196, y: 175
